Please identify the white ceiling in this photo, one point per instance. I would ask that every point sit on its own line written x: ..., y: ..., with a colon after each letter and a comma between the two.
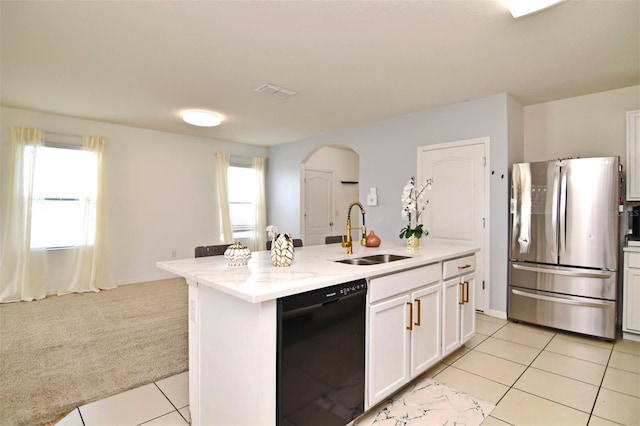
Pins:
x: 351, y: 62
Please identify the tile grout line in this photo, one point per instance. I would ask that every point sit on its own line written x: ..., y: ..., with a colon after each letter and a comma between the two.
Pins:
x: 599, y: 387
x: 172, y: 404
x: 556, y: 402
x: 557, y: 335
x: 595, y: 401
x: 498, y: 401
x: 524, y: 371
x: 81, y: 418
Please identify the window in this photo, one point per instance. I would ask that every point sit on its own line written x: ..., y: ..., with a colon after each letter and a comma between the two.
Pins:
x: 242, y: 201
x: 64, y: 189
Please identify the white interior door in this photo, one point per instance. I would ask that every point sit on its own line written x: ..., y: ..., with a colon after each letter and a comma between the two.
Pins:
x: 458, y: 201
x: 319, y: 195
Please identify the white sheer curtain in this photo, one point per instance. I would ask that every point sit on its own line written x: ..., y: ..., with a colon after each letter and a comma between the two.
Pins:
x: 222, y: 167
x: 91, y: 267
x: 260, y: 239
x: 23, y: 270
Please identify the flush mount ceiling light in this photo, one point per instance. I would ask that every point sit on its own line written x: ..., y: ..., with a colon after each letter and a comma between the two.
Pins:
x: 520, y: 8
x: 201, y: 118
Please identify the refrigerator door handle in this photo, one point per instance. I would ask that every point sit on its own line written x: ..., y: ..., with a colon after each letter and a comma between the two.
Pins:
x: 567, y: 272
x: 554, y: 214
x: 563, y: 211
x: 558, y: 299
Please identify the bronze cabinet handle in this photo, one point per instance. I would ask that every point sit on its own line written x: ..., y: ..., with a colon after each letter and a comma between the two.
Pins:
x: 467, y: 266
x: 461, y: 301
x: 410, y: 326
x: 418, y: 303
x: 466, y: 292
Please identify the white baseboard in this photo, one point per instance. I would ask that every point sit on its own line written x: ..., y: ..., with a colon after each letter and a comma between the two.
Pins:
x: 154, y: 277
x: 496, y: 314
x: 631, y: 336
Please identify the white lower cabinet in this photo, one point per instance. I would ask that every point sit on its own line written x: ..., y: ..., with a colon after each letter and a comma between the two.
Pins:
x: 426, y: 329
x: 404, y: 329
x: 451, y: 317
x: 458, y: 307
x: 631, y: 296
x: 468, y: 309
x: 388, y: 348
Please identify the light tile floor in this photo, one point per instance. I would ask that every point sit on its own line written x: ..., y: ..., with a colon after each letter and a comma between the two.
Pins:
x: 165, y: 402
x: 534, y: 375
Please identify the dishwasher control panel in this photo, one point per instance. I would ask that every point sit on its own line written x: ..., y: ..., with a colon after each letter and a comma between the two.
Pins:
x: 323, y: 295
x: 353, y: 287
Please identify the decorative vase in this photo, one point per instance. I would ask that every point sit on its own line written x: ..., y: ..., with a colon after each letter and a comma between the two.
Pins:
x: 413, y: 242
x: 237, y: 255
x: 282, y: 250
x: 373, y: 240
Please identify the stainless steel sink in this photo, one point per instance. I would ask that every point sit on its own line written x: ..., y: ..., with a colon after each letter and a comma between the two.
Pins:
x: 374, y: 259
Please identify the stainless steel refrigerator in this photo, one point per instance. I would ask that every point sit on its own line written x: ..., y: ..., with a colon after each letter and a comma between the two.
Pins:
x: 563, y: 266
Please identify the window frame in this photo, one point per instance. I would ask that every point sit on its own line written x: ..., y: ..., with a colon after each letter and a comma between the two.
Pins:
x: 241, y: 232
x: 47, y: 242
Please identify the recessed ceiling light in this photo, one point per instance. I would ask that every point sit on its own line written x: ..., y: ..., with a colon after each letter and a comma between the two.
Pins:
x: 201, y: 118
x: 520, y: 8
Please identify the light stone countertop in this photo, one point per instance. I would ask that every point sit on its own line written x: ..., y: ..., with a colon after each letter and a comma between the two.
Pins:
x: 313, y: 268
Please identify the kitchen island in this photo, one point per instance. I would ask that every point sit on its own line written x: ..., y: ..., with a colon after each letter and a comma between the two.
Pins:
x: 232, y: 318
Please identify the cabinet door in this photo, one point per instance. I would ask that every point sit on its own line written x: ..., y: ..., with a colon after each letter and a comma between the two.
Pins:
x: 631, y: 307
x: 451, y: 316
x: 632, y: 301
x: 427, y: 326
x: 388, y: 354
x: 633, y: 155
x: 467, y: 309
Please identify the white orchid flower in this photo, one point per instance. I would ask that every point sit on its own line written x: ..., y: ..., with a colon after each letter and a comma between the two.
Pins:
x: 414, y: 203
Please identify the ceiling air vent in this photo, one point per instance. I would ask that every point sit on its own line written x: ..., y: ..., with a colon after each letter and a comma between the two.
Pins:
x: 278, y: 92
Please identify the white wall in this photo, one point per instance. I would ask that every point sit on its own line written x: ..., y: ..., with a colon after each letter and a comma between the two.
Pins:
x: 388, y: 151
x: 584, y: 126
x: 161, y: 190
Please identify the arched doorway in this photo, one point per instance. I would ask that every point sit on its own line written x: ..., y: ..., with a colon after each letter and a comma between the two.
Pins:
x: 330, y: 181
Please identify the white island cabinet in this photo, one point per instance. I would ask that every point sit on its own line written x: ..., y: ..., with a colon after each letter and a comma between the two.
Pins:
x: 459, y: 317
x: 233, y: 321
x: 404, y: 328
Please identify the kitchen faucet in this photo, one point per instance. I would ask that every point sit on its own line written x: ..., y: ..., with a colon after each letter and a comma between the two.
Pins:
x: 349, y: 244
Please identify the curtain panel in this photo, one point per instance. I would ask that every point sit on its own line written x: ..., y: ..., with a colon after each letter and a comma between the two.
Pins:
x: 91, y: 266
x: 259, y: 238
x: 222, y: 168
x: 23, y: 270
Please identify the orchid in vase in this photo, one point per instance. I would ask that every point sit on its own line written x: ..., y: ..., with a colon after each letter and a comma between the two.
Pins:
x: 414, y: 202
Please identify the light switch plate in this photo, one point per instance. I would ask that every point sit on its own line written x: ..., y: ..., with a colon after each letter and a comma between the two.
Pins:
x: 372, y: 197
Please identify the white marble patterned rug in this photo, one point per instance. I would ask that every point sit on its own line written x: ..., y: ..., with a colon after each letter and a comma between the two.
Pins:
x: 428, y: 402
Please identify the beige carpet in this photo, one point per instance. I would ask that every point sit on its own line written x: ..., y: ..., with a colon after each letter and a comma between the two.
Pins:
x: 62, y: 352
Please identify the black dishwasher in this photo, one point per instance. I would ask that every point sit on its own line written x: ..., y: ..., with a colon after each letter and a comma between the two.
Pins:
x: 321, y: 347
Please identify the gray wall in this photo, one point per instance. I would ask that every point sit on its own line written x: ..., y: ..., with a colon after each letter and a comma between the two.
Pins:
x: 388, y: 152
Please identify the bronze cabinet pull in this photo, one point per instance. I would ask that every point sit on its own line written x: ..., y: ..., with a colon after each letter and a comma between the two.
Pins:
x: 410, y: 326
x: 418, y: 303
x: 467, y: 266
